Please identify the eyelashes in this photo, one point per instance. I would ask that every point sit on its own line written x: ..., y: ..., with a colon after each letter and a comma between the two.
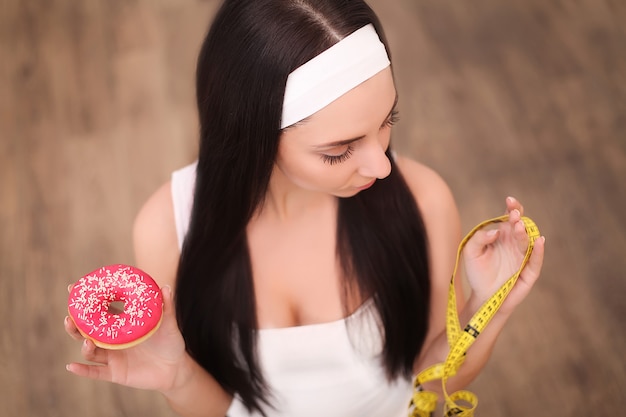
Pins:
x: 337, y: 159
x: 393, y: 118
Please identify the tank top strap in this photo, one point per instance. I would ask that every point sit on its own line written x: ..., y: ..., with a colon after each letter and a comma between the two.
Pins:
x: 183, y: 183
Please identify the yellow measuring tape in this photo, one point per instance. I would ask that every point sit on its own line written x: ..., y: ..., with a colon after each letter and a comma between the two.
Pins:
x: 424, y: 403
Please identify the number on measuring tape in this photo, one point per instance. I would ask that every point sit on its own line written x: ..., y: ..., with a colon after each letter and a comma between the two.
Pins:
x: 423, y: 403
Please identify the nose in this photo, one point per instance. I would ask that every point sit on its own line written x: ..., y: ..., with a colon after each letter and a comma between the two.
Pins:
x: 374, y: 162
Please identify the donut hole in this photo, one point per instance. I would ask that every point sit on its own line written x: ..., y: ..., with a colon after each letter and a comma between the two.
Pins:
x: 116, y: 307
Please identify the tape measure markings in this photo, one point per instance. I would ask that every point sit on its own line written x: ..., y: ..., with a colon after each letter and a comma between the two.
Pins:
x: 423, y: 402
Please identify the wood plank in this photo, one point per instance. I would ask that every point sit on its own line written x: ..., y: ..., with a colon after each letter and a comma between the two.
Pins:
x: 521, y: 97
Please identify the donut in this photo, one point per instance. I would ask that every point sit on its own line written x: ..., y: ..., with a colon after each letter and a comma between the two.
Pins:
x: 116, y: 306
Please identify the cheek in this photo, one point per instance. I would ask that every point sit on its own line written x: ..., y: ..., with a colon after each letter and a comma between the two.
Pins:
x: 385, y: 139
x: 310, y: 172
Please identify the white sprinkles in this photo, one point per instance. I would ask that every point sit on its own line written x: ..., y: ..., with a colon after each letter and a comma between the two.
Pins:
x: 93, y: 294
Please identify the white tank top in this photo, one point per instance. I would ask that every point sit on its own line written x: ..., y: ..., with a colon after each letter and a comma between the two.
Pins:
x: 330, y: 369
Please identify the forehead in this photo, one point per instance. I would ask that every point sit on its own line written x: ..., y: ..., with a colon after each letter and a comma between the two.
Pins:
x: 352, y: 115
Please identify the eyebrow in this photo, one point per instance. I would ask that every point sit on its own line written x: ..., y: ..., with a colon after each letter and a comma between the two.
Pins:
x: 349, y: 141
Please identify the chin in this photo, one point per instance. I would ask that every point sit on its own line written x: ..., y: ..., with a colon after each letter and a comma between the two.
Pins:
x: 347, y: 193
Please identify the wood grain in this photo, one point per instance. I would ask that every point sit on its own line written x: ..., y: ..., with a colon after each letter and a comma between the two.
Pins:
x: 520, y: 97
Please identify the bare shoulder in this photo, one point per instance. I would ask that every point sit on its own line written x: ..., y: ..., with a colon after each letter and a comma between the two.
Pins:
x: 154, y: 237
x: 443, y: 227
x: 432, y: 193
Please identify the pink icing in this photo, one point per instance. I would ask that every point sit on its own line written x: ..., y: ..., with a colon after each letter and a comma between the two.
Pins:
x: 92, y: 295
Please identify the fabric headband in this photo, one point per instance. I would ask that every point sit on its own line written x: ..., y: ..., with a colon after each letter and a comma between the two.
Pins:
x: 331, y: 74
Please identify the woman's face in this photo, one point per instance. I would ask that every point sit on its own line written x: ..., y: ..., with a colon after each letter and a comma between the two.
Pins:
x: 340, y: 149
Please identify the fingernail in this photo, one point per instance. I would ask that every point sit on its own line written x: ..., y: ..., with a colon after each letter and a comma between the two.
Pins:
x: 492, y: 233
x: 510, y: 199
x: 67, y: 367
x: 543, y: 239
x: 168, y: 291
x: 69, y: 288
x: 65, y: 320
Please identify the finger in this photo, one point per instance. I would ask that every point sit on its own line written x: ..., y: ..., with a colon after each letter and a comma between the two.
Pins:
x: 478, y: 244
x: 99, y: 372
x: 168, y: 303
x: 513, y: 204
x: 533, y: 268
x: 169, y: 313
x: 514, y: 216
x: 71, y: 329
x: 92, y: 353
x: 521, y: 236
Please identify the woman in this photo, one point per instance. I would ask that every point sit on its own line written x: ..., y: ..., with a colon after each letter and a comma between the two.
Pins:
x: 304, y: 266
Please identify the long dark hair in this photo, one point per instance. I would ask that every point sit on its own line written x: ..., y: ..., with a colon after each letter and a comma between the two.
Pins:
x: 242, y: 70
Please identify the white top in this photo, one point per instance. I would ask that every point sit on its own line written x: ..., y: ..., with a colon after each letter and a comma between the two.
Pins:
x: 330, y: 369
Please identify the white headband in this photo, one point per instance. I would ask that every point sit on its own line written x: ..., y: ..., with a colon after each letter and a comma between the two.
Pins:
x: 331, y: 74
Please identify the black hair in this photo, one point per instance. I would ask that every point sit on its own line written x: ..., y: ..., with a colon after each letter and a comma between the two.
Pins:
x: 242, y: 70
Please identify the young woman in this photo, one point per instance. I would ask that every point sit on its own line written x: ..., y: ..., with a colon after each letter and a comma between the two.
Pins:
x: 304, y: 265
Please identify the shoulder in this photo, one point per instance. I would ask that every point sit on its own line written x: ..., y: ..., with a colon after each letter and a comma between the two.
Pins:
x: 154, y: 237
x: 443, y: 228
x: 432, y: 193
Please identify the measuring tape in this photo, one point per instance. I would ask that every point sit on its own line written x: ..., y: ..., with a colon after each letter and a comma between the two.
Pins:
x: 424, y: 402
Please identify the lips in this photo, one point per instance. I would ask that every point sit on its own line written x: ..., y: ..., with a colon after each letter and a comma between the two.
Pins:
x: 368, y: 185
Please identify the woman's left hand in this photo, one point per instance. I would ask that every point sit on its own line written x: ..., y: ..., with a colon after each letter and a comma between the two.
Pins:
x: 492, y: 256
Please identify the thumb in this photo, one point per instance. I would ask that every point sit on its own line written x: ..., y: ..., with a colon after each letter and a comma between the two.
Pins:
x: 169, y: 311
x: 477, y: 244
x: 168, y: 302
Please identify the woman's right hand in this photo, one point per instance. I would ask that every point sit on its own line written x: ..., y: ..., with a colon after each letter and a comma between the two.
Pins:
x: 153, y: 364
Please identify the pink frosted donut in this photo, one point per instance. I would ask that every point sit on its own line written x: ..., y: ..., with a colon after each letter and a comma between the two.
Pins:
x: 93, y: 297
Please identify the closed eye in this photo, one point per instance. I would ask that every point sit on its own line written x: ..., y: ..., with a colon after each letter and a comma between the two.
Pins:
x: 393, y: 118
x: 337, y: 159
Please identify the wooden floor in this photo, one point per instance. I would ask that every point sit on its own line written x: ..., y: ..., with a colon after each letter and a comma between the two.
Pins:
x: 522, y: 97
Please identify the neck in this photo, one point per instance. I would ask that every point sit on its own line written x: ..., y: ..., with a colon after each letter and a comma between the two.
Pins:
x: 286, y: 201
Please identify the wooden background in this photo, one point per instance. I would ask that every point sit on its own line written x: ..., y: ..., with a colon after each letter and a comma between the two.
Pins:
x: 522, y: 97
